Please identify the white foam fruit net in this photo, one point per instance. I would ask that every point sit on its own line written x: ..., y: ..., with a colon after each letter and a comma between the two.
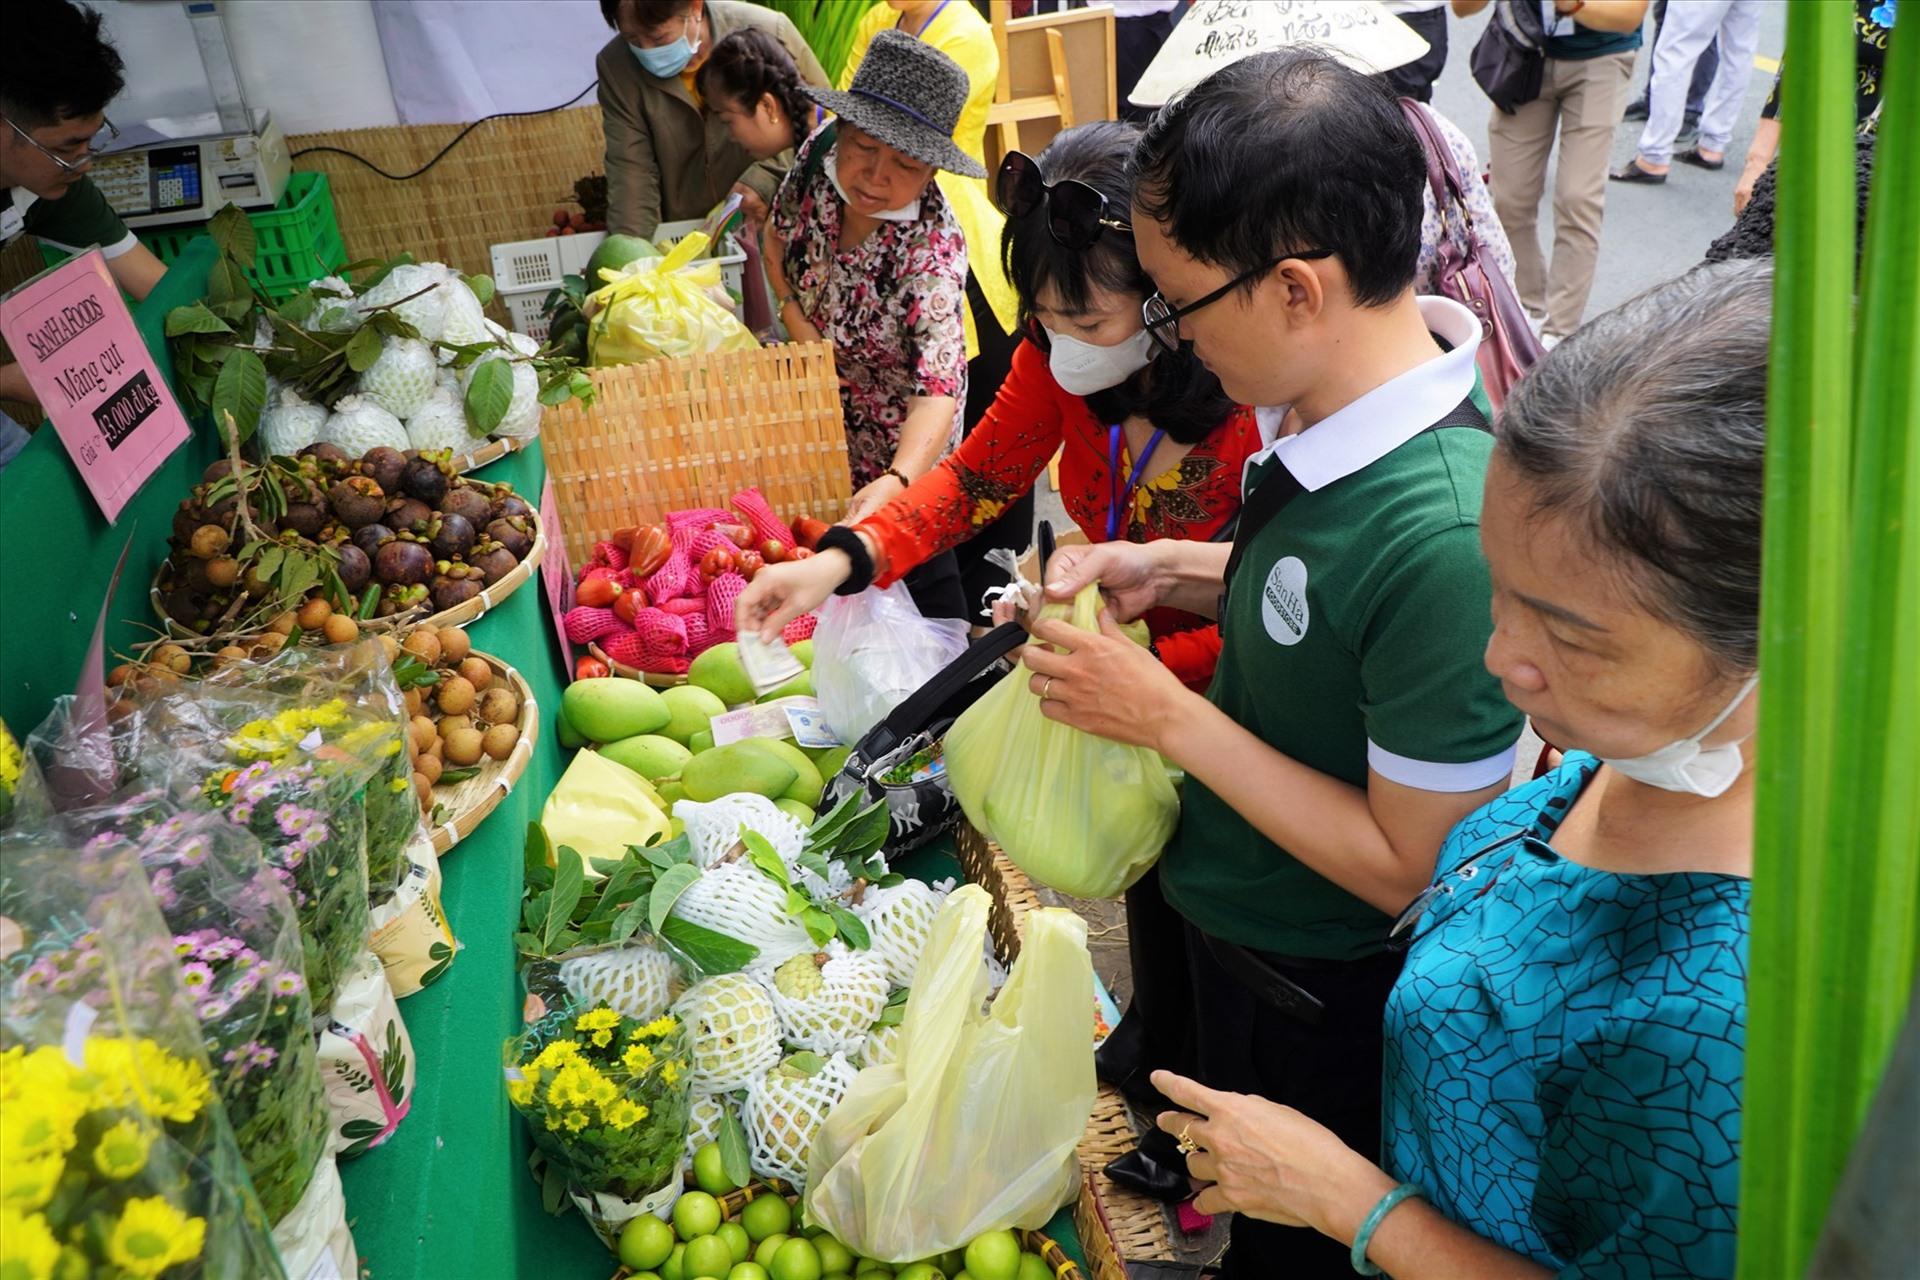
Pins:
x: 784, y: 1109
x: 828, y: 1006
x: 898, y: 920
x: 741, y: 901
x: 638, y: 981
x: 713, y: 826
x: 704, y: 1114
x: 733, y: 1034
x: 882, y: 1046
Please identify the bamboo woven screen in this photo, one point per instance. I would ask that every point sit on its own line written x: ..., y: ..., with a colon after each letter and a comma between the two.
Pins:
x: 501, y: 183
x: 672, y: 434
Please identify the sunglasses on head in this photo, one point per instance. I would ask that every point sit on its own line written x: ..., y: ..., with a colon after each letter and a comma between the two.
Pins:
x: 1076, y: 213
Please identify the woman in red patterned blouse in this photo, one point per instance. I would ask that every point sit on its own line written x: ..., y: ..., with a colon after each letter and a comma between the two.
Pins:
x: 1149, y: 447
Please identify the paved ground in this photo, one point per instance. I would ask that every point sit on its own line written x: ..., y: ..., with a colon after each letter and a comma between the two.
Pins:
x: 1651, y: 234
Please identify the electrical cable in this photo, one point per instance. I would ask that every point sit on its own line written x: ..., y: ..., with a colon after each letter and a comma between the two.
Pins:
x: 441, y: 154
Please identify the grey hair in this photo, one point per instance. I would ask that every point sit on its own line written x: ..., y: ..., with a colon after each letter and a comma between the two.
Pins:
x: 1649, y: 427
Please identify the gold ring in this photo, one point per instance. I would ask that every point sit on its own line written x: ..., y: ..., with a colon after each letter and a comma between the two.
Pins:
x: 1046, y: 689
x: 1186, y: 1146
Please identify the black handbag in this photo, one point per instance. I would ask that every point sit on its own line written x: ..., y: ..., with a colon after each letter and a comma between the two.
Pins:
x: 1510, y: 58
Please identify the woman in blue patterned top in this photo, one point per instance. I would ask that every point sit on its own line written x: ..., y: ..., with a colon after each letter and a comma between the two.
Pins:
x: 1564, y: 1045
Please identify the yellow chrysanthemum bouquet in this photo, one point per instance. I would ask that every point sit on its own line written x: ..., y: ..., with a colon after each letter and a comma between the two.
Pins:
x: 606, y: 1099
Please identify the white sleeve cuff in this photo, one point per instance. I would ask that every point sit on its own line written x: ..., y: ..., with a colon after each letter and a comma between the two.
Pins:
x: 1428, y: 775
x: 113, y: 250
x: 120, y: 246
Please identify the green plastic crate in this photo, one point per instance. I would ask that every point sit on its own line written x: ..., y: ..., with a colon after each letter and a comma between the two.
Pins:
x: 296, y: 242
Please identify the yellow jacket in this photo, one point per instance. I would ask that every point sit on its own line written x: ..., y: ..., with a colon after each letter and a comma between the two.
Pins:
x: 963, y: 35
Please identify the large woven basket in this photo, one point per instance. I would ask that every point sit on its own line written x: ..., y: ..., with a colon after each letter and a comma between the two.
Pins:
x: 1114, y: 1224
x: 668, y: 435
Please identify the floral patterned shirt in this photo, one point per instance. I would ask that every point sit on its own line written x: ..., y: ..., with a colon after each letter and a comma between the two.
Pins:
x: 1495, y: 250
x: 892, y: 306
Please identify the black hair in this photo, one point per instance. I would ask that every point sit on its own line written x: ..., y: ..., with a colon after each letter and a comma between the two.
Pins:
x: 54, y: 64
x: 1284, y: 152
x: 1175, y: 392
x: 646, y: 13
x: 749, y: 63
x: 1648, y: 426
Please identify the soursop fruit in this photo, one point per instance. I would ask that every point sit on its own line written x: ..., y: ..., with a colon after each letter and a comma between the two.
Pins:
x: 827, y: 1001
x: 290, y: 425
x: 358, y: 424
x: 733, y: 1035
x: 898, y: 919
x: 441, y: 423
x: 426, y: 312
x: 741, y: 901
x: 402, y: 378
x: 785, y: 1109
x: 523, y: 412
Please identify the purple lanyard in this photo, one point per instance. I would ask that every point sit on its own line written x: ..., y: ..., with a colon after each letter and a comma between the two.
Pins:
x: 931, y: 19
x: 1120, y: 497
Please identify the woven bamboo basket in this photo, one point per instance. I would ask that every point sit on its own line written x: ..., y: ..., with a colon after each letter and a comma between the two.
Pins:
x: 468, y: 803
x: 488, y: 451
x: 1114, y: 1224
x: 668, y: 435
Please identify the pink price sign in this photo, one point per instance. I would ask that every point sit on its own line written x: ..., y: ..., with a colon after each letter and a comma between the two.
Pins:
x: 76, y: 342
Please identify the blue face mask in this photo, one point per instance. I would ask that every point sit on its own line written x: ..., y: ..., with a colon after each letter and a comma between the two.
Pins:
x: 665, y: 60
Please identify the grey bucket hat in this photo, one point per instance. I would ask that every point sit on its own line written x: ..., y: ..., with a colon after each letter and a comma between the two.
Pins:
x: 909, y: 95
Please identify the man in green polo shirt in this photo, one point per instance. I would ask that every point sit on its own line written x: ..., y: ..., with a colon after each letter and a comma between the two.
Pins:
x: 57, y: 74
x: 1351, y: 722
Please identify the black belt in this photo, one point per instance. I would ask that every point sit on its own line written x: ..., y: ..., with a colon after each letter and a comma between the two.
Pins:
x: 1260, y: 976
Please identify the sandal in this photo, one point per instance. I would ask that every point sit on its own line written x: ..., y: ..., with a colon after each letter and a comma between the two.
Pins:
x: 1632, y: 172
x: 1693, y: 157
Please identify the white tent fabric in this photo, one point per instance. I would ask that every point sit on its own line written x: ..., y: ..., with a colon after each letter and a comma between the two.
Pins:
x: 458, y: 60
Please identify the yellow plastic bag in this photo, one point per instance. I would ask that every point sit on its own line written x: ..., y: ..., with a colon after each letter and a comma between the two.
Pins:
x: 974, y: 1125
x: 1080, y: 814
x: 600, y: 808
x: 661, y: 307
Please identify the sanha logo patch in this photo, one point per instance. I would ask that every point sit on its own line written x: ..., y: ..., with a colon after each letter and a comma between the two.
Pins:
x: 1283, y: 602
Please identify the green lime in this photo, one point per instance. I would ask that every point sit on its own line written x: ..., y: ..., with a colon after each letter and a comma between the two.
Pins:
x: 920, y: 1271
x: 768, y: 1215
x: 674, y: 1267
x: 645, y: 1243
x: 834, y: 1256
x: 1034, y: 1267
x: 747, y: 1271
x: 708, y: 1258
x: 873, y: 1266
x: 696, y: 1214
x: 994, y: 1255
x: 737, y: 1240
x: 710, y: 1171
x: 963, y: 1275
x: 796, y: 1260
x: 951, y: 1263
x: 764, y: 1251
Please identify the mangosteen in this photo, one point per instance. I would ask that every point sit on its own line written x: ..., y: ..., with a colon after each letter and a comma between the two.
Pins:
x: 186, y: 518
x: 465, y: 500
x: 510, y: 504
x: 183, y: 606
x: 404, y: 514
x: 386, y: 465
x: 217, y: 471
x: 492, y: 560
x: 450, y: 592
x: 322, y: 451
x: 304, y: 519
x: 357, y: 500
x: 424, y: 480
x: 403, y: 563
x: 451, y: 534
x: 355, y: 566
x: 222, y: 512
x: 193, y: 575
x: 513, y: 533
x: 371, y: 537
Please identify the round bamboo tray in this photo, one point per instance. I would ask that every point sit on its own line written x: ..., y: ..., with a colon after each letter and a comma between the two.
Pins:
x: 458, y: 616
x: 489, y: 451
x: 468, y: 803
x: 658, y: 679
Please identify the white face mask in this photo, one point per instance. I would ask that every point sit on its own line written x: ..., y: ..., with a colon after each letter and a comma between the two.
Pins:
x: 909, y: 212
x: 1081, y: 368
x: 1686, y: 766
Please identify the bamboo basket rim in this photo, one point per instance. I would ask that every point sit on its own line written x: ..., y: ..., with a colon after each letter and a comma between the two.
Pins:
x: 496, y: 778
x: 490, y: 451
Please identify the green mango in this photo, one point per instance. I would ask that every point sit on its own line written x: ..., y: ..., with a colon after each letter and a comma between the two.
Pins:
x: 829, y: 760
x: 739, y: 766
x: 718, y: 671
x: 648, y: 754
x: 700, y: 741
x: 807, y: 783
x: 803, y: 650
x: 800, y: 686
x: 692, y: 709
x: 570, y: 737
x: 671, y: 790
x: 610, y: 708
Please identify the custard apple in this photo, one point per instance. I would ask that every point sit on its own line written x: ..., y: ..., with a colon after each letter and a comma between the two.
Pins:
x: 827, y: 1001
x: 333, y: 308
x: 733, y: 1035
x: 290, y: 425
x: 427, y: 311
x: 785, y: 1109
x: 402, y: 378
x: 441, y: 423
x: 523, y: 412
x: 898, y: 919
x: 358, y: 424
x: 739, y: 900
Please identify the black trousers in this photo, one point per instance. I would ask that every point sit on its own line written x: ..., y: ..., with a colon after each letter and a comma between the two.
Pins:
x: 1328, y: 1070
x: 1415, y: 79
x: 1135, y: 42
x: 1013, y: 528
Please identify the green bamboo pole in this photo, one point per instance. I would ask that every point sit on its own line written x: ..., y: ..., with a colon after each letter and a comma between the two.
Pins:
x: 1834, y: 859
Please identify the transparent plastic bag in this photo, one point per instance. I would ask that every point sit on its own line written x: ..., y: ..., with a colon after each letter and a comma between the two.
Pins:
x: 118, y: 1154
x: 873, y: 649
x: 974, y: 1124
x: 366, y: 1059
x: 662, y: 307
x: 1084, y: 815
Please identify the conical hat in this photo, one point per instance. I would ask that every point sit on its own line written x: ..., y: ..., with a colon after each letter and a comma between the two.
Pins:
x: 1214, y: 33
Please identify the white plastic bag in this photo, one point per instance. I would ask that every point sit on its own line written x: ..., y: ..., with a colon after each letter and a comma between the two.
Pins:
x: 873, y: 649
x: 974, y: 1125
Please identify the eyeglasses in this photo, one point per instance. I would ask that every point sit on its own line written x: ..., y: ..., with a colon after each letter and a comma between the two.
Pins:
x: 94, y: 145
x: 1163, y: 321
x: 1076, y: 212
x: 1464, y: 872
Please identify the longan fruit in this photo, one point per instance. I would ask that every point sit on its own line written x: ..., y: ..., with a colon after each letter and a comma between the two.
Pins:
x: 423, y: 732
x: 430, y: 768
x: 314, y: 614
x: 341, y: 629
x: 231, y: 653
x: 423, y: 787
x: 499, y: 706
x: 119, y: 675
x: 270, y: 643
x: 424, y: 645
x: 209, y: 540
x: 173, y: 658
x: 455, y: 696
x: 462, y: 746
x: 284, y: 624
x: 498, y: 742
x: 477, y: 673
x: 413, y: 702
x: 390, y: 646
x: 455, y: 644
x: 223, y: 571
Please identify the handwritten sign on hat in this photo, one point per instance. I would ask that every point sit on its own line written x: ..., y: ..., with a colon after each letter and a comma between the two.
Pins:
x: 1215, y: 33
